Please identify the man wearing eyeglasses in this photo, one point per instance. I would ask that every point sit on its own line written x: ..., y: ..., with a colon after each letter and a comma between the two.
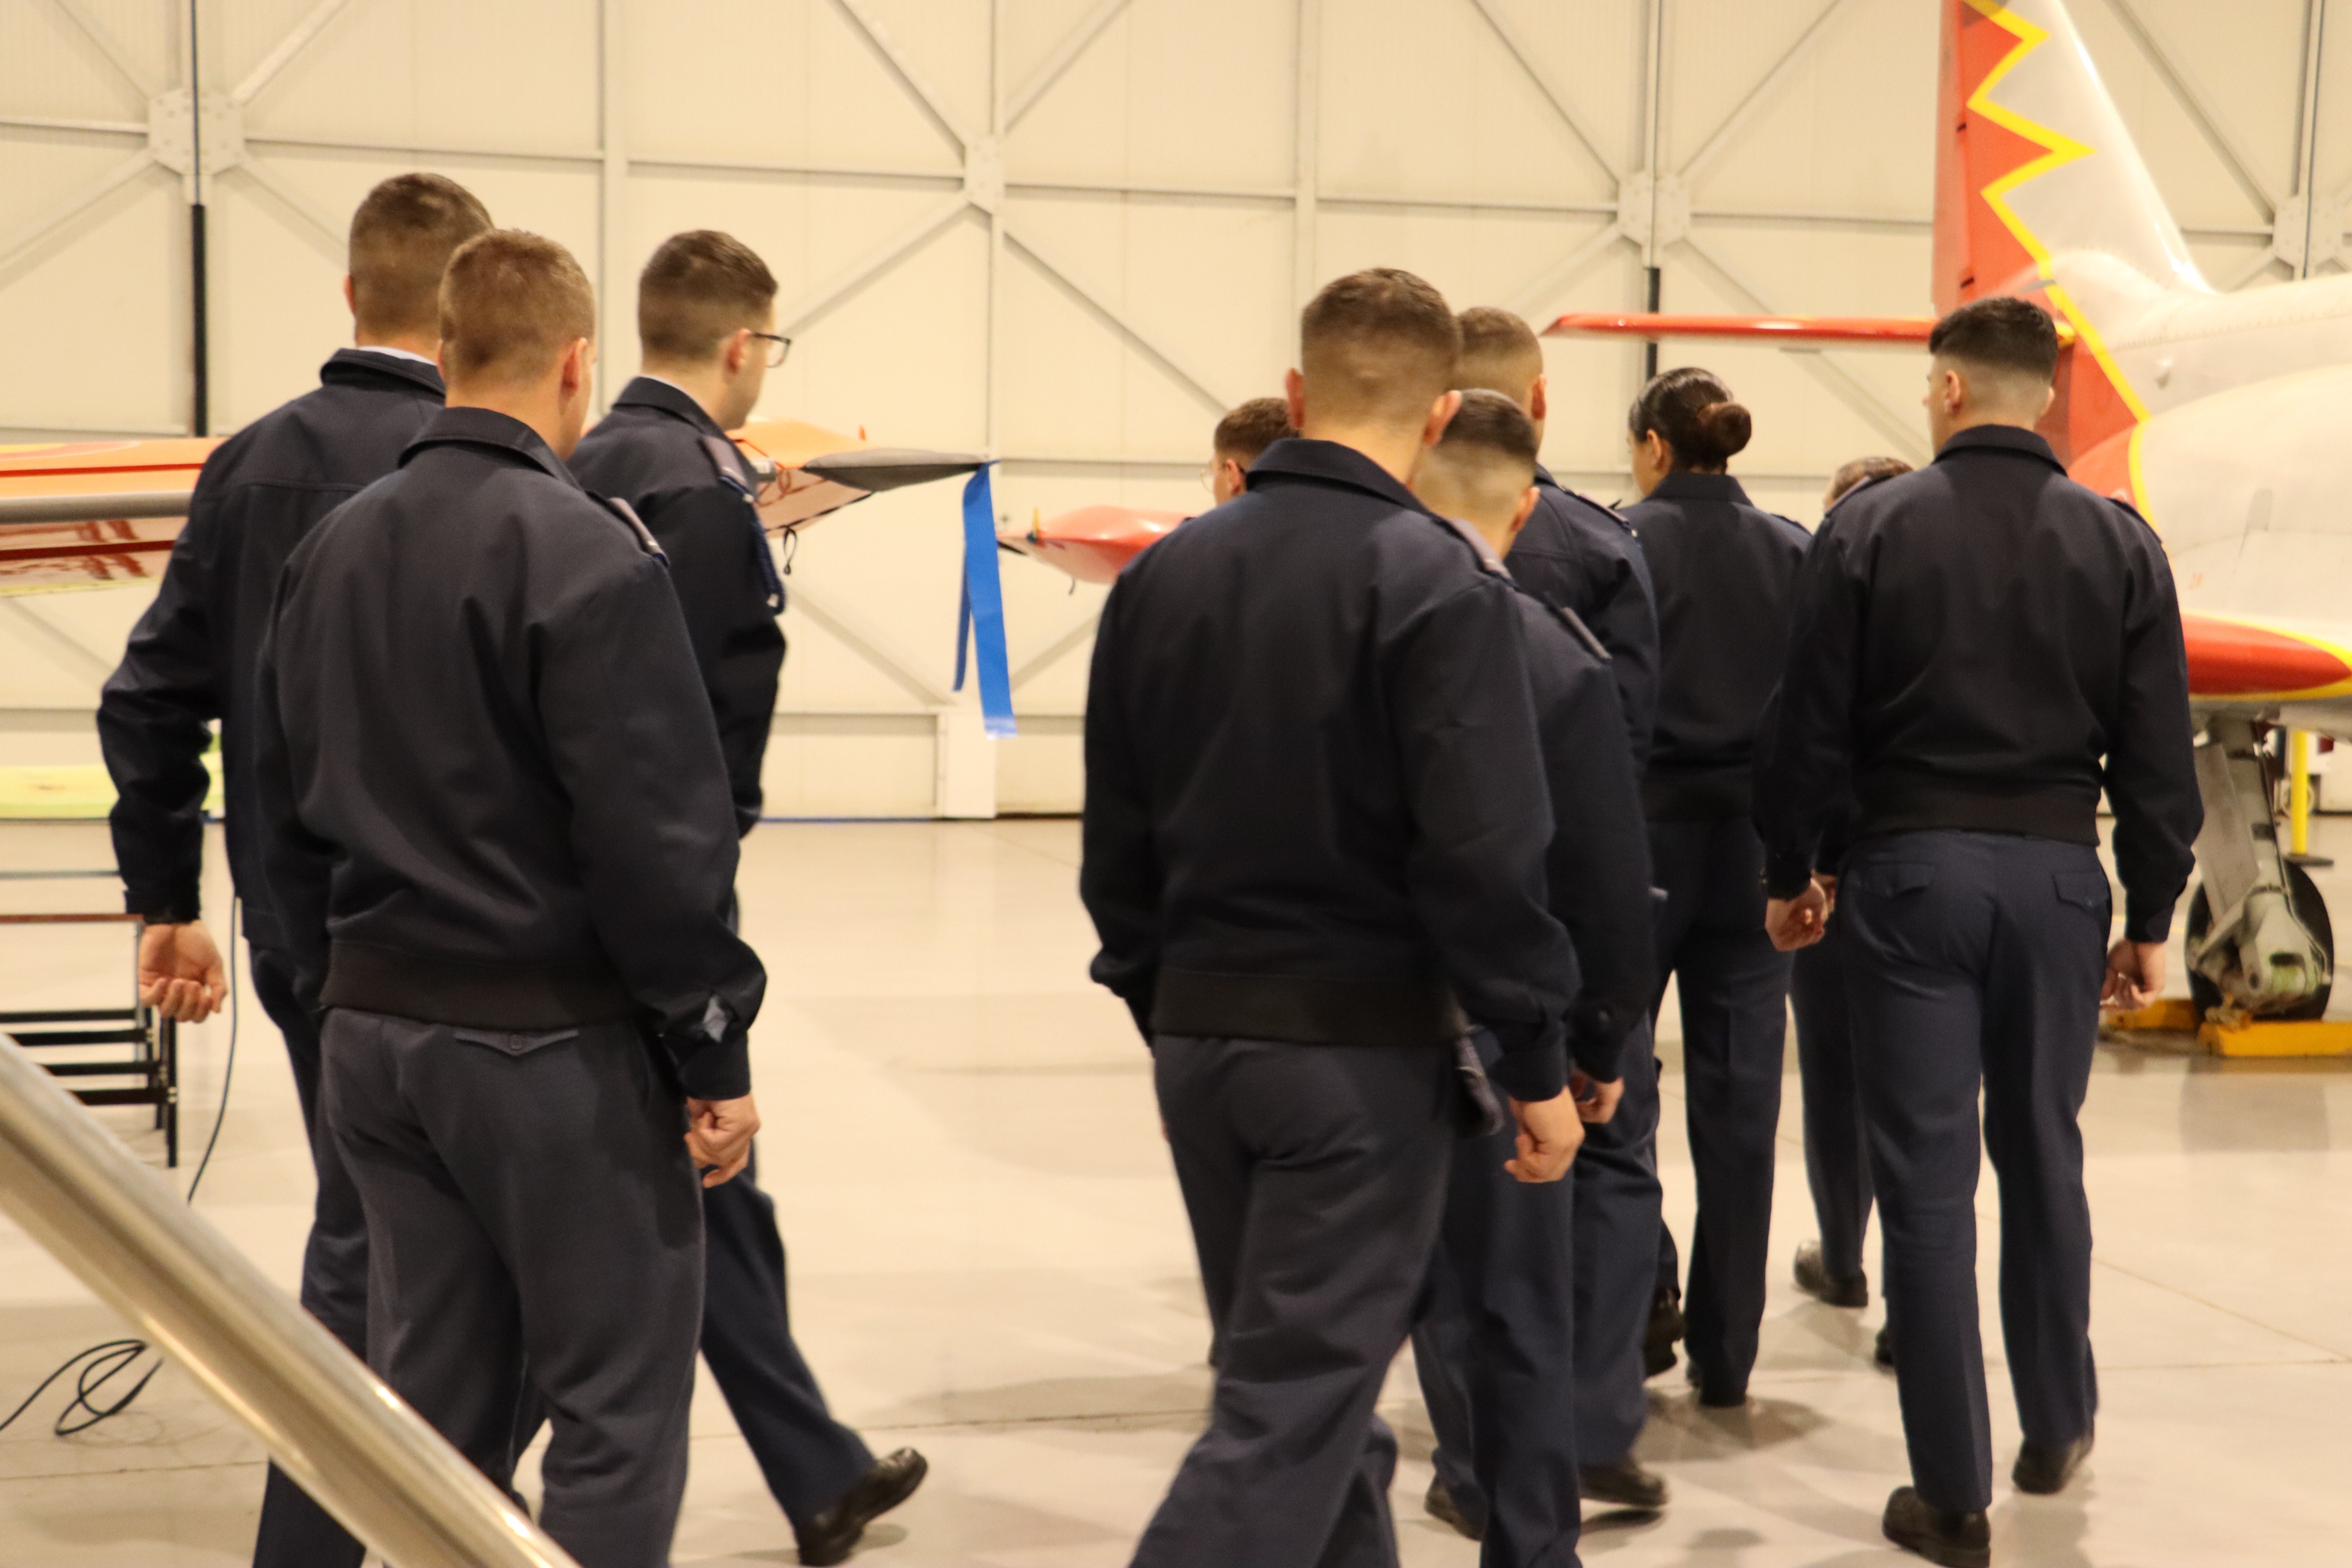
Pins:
x: 705, y: 323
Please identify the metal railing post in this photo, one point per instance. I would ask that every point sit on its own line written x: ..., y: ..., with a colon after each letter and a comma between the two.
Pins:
x: 325, y: 1418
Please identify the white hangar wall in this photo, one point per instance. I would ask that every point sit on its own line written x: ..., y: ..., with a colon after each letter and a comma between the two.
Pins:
x: 1066, y: 232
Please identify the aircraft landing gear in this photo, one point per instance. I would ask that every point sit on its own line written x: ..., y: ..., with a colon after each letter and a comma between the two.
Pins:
x: 2259, y: 938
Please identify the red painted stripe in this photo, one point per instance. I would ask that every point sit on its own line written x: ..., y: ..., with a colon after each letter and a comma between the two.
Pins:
x: 2228, y: 659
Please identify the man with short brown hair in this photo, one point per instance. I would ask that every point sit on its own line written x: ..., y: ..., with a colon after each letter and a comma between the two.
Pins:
x: 706, y: 321
x: 1241, y: 438
x: 1314, y: 832
x: 500, y: 844
x: 191, y: 660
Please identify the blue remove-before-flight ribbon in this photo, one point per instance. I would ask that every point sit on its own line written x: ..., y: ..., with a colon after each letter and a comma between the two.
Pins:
x: 980, y: 623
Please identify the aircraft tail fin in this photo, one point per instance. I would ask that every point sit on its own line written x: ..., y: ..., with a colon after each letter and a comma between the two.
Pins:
x: 2033, y: 163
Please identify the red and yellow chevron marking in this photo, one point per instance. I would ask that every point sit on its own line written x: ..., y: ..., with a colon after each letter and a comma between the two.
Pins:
x: 2095, y: 407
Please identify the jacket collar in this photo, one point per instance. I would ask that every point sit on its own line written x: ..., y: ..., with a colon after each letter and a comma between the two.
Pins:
x: 358, y: 367
x: 1543, y: 477
x: 651, y: 391
x: 488, y: 428
x: 1684, y: 485
x: 1330, y: 463
x: 2008, y: 438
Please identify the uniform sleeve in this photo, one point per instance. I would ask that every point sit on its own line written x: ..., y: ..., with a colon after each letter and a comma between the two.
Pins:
x: 739, y: 647
x: 1471, y: 761
x: 1805, y: 754
x: 297, y: 865
x: 1597, y: 870
x: 2151, y: 770
x: 154, y: 720
x: 1610, y: 591
x: 1119, y: 875
x: 631, y: 739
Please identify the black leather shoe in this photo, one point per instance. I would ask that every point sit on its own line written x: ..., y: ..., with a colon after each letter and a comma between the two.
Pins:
x: 1625, y: 1483
x: 1885, y: 1354
x: 1722, y: 1397
x: 1440, y: 1507
x: 1943, y: 1536
x: 834, y: 1534
x: 2043, y: 1471
x: 1665, y: 1327
x: 1816, y: 1280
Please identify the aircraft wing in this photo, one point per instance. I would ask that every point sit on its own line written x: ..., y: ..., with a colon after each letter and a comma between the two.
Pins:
x: 86, y: 513
x: 1789, y: 331
x: 806, y: 470
x: 1093, y: 543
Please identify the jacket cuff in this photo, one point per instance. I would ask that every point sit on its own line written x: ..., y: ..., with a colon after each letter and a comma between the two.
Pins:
x: 171, y: 905
x: 1787, y: 873
x: 2142, y: 923
x: 1598, y: 1051
x: 1534, y: 1064
x: 720, y: 1071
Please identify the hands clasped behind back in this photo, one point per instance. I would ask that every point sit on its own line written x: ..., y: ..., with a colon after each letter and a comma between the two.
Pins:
x: 719, y: 1135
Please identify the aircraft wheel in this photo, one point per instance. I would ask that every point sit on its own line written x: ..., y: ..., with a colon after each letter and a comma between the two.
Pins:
x: 2303, y: 897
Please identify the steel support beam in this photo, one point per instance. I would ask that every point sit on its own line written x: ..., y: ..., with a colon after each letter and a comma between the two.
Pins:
x: 1054, y: 652
x: 866, y: 268
x: 1722, y: 136
x: 886, y: 47
x: 1562, y: 103
x: 1118, y: 321
x: 292, y: 44
x: 97, y: 33
x: 1065, y: 53
x: 1307, y: 141
x: 2209, y: 125
x: 15, y: 245
x: 318, y: 224
x: 616, y: 322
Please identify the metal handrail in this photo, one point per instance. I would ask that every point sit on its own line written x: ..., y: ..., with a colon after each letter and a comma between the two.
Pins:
x: 326, y: 1420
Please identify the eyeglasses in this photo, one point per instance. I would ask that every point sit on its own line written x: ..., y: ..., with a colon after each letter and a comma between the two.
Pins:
x: 777, y: 347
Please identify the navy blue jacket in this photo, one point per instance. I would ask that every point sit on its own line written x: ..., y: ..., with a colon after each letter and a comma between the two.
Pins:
x: 1598, y: 867
x: 491, y: 787
x: 1582, y: 557
x: 1982, y: 646
x: 1724, y: 572
x: 191, y: 657
x: 649, y: 451
x: 1315, y: 806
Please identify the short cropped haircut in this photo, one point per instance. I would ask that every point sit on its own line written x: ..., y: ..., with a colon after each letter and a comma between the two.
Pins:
x: 1499, y: 352
x: 512, y: 303
x: 1378, y: 344
x: 1492, y: 422
x: 2002, y: 335
x: 403, y: 235
x: 700, y: 288
x: 1860, y: 472
x: 1249, y: 429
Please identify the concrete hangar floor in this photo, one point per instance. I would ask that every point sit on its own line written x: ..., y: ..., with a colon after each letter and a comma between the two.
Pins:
x: 991, y: 1262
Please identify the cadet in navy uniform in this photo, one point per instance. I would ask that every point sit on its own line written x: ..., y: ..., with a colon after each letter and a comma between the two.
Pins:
x: 1980, y: 647
x: 1723, y: 571
x: 706, y: 322
x: 1240, y: 439
x: 1581, y: 556
x: 1316, y: 825
x: 191, y: 661
x: 499, y: 843
x: 1496, y: 1348
x: 1837, y: 1165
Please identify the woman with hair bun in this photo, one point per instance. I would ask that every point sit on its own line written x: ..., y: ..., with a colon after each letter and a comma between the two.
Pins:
x: 1724, y: 572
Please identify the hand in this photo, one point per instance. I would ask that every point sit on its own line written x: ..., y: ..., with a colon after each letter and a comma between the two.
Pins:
x: 1595, y: 1102
x: 719, y: 1136
x: 1550, y: 1132
x: 1800, y: 922
x: 180, y: 972
x: 2135, y: 974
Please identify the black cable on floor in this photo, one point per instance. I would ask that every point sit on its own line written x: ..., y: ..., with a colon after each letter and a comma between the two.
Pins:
x: 102, y: 1363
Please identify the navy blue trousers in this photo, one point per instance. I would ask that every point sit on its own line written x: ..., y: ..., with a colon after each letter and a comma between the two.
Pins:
x: 1618, y: 1231
x: 809, y: 1460
x: 1974, y: 962
x: 1837, y: 1163
x: 1315, y: 1178
x: 1733, y: 987
x: 296, y: 1532
x: 1496, y: 1350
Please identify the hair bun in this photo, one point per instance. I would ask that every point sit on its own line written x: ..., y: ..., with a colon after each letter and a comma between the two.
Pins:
x: 1726, y: 427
